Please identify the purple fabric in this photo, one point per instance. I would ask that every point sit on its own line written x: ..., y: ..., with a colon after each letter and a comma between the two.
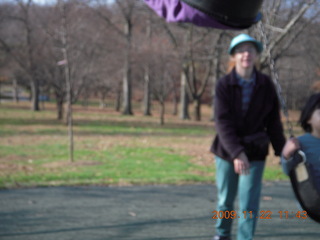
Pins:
x: 177, y: 11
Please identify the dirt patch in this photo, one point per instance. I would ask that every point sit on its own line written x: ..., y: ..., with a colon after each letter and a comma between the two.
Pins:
x: 71, y: 164
x: 6, y: 168
x: 10, y: 168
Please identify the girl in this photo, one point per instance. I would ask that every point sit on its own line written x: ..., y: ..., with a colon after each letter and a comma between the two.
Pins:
x: 309, y: 143
x: 247, y: 119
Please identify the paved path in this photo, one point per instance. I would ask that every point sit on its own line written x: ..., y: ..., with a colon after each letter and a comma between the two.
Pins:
x: 137, y: 213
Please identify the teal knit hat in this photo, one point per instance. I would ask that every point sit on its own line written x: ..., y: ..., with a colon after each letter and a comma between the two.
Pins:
x: 244, y: 38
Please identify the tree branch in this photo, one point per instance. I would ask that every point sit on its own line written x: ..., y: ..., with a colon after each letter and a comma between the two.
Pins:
x: 287, y: 28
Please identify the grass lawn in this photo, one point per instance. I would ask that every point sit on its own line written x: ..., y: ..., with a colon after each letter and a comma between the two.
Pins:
x: 110, y: 149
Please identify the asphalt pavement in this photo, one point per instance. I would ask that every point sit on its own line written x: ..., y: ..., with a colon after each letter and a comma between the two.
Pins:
x: 140, y: 213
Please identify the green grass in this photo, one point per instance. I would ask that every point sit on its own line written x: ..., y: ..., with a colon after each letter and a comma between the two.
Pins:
x: 140, y: 130
x: 272, y: 173
x: 110, y: 149
x: 118, y: 165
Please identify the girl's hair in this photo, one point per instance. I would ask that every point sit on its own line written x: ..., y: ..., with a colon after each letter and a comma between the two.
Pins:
x: 312, y: 104
x: 231, y: 65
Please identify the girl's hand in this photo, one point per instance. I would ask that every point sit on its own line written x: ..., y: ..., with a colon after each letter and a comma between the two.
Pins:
x: 290, y: 147
x: 241, y: 164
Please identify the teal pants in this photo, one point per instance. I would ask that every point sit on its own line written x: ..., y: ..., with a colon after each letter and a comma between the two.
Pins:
x: 249, y: 188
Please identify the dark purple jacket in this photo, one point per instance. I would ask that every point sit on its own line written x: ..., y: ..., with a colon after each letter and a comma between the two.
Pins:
x: 263, y: 115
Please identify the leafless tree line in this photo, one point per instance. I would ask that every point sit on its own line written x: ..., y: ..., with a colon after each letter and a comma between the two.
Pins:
x: 79, y: 49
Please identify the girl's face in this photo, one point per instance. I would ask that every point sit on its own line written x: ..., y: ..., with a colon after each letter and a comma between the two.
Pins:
x: 245, y: 56
x: 314, y: 121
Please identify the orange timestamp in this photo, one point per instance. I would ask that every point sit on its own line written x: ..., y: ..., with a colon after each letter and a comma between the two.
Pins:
x: 261, y: 215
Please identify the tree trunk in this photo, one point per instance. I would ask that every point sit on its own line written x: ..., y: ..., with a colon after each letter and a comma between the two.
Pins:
x: 146, y: 96
x: 127, y: 108
x: 59, y: 104
x: 35, y: 95
x: 127, y: 86
x: 162, y: 112
x: 118, y: 99
x: 197, y: 109
x: 15, y: 93
x: 175, y: 102
x: 216, y: 65
x: 30, y: 60
x: 147, y: 87
x: 184, y: 99
x: 65, y: 53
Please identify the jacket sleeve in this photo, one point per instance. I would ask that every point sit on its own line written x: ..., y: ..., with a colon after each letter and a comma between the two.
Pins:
x: 274, y: 124
x: 287, y: 165
x: 225, y: 121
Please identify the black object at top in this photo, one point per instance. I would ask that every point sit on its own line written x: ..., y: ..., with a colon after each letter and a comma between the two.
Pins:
x: 233, y: 13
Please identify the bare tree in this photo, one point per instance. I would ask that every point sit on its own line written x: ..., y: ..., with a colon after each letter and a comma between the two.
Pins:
x: 24, y: 50
x: 200, y: 60
x: 66, y: 63
x: 217, y: 59
x: 178, y: 39
x: 147, y: 82
x: 74, y: 41
x: 126, y: 9
x: 163, y: 81
x: 197, y: 58
x: 280, y: 30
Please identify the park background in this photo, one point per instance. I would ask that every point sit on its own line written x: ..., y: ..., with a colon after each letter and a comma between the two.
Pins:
x: 107, y: 93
